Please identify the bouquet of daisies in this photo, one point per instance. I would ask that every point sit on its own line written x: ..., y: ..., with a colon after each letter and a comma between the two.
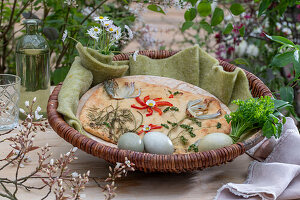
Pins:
x: 107, y: 34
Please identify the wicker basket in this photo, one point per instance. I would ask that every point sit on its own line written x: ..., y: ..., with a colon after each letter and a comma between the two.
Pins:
x: 153, y: 162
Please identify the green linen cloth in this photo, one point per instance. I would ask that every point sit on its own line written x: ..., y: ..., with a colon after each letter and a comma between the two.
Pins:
x: 77, y: 82
x: 192, y: 65
x: 100, y: 65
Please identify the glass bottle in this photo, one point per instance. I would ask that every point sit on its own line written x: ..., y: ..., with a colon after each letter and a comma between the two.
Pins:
x: 32, y: 60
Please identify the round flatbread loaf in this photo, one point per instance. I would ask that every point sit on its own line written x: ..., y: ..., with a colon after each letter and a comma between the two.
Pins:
x: 108, y: 118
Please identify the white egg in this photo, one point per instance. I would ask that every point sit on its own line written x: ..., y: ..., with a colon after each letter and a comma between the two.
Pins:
x: 131, y: 141
x: 214, y: 141
x: 158, y: 143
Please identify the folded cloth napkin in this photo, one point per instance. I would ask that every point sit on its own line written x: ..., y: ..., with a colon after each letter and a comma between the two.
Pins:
x: 278, y: 177
x: 78, y: 80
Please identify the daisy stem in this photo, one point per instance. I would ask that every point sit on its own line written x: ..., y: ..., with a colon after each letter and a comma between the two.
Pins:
x: 73, y: 39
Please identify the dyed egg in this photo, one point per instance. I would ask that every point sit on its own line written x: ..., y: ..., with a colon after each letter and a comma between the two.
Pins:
x: 158, y: 143
x: 214, y: 141
x: 131, y: 141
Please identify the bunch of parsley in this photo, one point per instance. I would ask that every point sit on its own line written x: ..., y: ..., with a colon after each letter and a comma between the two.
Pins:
x: 256, y: 113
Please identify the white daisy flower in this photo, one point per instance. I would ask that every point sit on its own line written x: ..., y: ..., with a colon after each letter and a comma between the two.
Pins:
x: 107, y: 23
x: 112, y: 28
x: 146, y: 128
x: 92, y: 34
x: 101, y: 18
x: 65, y: 35
x: 134, y: 55
x: 130, y: 34
x: 96, y: 30
x: 117, y: 34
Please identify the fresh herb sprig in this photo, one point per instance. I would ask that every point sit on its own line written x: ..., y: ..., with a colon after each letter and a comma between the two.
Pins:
x: 189, y: 129
x: 256, y: 113
x: 172, y: 108
x: 193, y: 147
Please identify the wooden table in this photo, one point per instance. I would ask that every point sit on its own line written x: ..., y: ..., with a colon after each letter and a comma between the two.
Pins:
x: 137, y: 185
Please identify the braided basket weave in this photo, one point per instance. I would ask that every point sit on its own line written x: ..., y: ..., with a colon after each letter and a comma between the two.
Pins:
x: 153, y: 162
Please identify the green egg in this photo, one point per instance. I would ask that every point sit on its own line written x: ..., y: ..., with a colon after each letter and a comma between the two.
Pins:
x: 131, y: 141
x: 214, y: 141
x: 158, y: 143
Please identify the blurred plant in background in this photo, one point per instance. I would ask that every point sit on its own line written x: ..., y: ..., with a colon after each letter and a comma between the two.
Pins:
x: 56, y: 17
x: 261, y: 36
x: 233, y: 30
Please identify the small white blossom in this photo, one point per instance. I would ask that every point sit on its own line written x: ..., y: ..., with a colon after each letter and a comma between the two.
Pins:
x: 37, y: 116
x: 134, y: 55
x: 51, y: 162
x: 74, y: 149
x: 130, y: 34
x: 74, y: 174
x: 241, y: 49
x: 29, y: 116
x: 287, y: 31
x: 65, y: 35
x: 68, y: 153
x: 128, y: 163
x: 88, y: 173
x: 22, y: 110
x: 34, y: 100
x: 27, y: 104
x: 71, y: 3
x: 252, y: 50
x: 29, y: 125
x: 38, y: 109
x: 296, y: 55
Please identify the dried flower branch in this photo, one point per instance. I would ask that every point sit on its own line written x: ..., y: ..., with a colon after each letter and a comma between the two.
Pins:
x: 55, y: 174
x: 120, y: 169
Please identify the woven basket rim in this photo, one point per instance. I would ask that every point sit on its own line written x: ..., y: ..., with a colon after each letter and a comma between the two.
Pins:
x: 154, y: 162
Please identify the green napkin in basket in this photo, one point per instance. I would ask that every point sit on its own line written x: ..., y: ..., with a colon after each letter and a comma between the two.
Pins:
x: 100, y: 65
x: 192, y: 65
x: 195, y: 66
x: 77, y: 82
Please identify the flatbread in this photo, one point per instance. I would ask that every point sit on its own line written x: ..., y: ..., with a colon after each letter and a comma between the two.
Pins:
x: 100, y: 103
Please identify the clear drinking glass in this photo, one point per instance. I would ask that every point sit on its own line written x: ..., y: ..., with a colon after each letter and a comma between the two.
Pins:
x: 9, y: 99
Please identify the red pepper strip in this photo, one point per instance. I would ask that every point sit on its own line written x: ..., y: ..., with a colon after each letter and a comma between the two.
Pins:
x: 171, y: 96
x: 150, y: 111
x: 163, y: 103
x: 146, y: 98
x: 141, y: 108
x: 157, y: 110
x: 157, y: 99
x: 156, y: 127
x: 140, y: 101
x: 141, y: 131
